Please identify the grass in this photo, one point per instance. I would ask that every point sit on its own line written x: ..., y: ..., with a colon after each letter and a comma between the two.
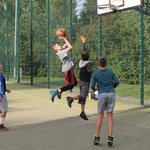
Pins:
x: 133, y: 91
x: 125, y: 90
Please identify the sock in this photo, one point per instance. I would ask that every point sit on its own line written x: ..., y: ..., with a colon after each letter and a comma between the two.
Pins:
x: 2, y: 120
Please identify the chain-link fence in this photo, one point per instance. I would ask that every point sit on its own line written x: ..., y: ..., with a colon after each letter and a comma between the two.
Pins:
x: 28, y: 29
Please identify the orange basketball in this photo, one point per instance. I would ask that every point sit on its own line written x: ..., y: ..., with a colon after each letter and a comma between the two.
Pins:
x: 61, y: 31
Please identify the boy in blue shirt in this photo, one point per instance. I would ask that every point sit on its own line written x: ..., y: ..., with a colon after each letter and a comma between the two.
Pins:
x: 106, y: 81
x: 3, y: 101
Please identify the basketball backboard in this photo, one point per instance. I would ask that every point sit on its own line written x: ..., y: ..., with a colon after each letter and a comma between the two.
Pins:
x: 109, y: 6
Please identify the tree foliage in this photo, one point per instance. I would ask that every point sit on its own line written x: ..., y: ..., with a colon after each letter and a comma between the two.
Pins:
x: 120, y: 37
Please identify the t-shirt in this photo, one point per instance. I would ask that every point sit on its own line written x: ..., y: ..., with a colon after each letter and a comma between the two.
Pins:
x: 2, y: 90
x: 65, y: 59
x: 105, y: 80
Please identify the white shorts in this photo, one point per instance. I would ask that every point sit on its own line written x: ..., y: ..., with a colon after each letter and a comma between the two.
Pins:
x: 106, y: 102
x: 4, y: 104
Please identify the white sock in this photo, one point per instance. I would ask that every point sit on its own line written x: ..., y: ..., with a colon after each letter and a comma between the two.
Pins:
x: 2, y: 120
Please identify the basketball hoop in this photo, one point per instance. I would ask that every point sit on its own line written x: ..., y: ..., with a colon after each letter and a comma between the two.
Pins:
x: 114, y: 8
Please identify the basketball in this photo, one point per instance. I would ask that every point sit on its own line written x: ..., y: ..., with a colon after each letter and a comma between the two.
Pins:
x: 61, y: 31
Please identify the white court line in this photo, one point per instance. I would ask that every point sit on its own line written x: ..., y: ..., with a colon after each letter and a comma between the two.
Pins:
x: 128, y: 122
x: 50, y: 101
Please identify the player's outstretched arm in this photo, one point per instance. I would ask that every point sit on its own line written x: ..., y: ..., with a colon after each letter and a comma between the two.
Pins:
x: 69, y: 46
x: 83, y: 39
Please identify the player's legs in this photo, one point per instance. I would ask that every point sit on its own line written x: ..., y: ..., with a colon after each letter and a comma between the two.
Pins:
x: 3, y: 112
x: 110, y: 109
x: 99, y: 123
x: 82, y: 107
x: 84, y: 88
x: 110, y: 123
x: 101, y: 105
x: 98, y: 127
x: 66, y: 87
x: 70, y: 80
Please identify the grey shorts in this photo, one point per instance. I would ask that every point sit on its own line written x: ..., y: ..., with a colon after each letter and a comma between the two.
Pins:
x: 84, y: 90
x: 4, y: 104
x: 106, y: 102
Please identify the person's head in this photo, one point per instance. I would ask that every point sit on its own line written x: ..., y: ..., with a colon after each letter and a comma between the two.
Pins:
x: 102, y: 62
x: 84, y: 55
x: 56, y: 47
x: 1, y: 68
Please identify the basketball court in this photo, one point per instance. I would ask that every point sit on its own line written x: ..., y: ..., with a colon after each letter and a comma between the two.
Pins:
x: 37, y: 123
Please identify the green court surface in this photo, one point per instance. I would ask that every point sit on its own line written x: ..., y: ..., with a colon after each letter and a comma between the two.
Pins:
x: 38, y: 124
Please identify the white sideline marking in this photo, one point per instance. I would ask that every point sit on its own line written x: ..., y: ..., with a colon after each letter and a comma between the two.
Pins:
x: 128, y: 122
x: 49, y: 101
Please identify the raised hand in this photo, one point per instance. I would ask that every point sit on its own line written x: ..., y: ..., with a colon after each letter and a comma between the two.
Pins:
x: 83, y: 39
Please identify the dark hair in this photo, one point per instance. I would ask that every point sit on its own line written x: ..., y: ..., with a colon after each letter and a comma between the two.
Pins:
x: 102, y: 62
x: 52, y: 46
x: 84, y: 55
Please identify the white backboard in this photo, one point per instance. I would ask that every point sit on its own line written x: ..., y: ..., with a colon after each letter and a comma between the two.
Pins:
x: 103, y: 6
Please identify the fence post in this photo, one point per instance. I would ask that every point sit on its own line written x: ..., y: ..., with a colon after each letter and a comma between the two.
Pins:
x: 18, y: 40
x: 48, y: 42
x: 141, y: 59
x: 16, y: 37
x: 70, y: 23
x: 70, y: 33
x: 100, y: 36
x: 7, y: 47
x: 31, y: 42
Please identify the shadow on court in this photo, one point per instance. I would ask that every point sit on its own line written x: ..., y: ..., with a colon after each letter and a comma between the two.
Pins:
x: 38, y: 124
x: 74, y: 133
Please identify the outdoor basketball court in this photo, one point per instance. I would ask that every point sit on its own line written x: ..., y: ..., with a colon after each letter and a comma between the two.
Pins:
x: 38, y: 124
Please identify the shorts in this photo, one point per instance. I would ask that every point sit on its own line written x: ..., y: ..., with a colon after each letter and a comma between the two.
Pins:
x: 4, y: 104
x: 106, y: 102
x: 70, y: 77
x: 84, y: 90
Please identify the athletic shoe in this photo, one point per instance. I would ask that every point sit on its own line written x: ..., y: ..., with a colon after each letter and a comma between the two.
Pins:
x: 83, y: 116
x: 70, y: 100
x: 97, y: 140
x: 52, y: 95
x: 3, y: 128
x: 59, y: 95
x: 110, y: 140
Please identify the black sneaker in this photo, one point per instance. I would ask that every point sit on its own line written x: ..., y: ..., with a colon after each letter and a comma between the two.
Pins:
x: 110, y: 140
x: 83, y: 116
x: 70, y: 100
x: 59, y: 95
x: 97, y: 140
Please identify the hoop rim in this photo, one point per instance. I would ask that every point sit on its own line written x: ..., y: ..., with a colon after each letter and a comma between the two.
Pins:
x: 107, y: 6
